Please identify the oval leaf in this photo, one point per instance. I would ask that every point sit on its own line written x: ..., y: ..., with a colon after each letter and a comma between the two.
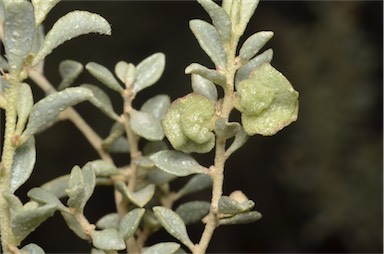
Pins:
x: 89, y: 184
x: 130, y: 222
x: 42, y: 8
x: 49, y: 107
x: 229, y: 205
x: 174, y: 225
x: 45, y: 197
x: 108, y: 239
x: 149, y: 71
x: 106, y: 77
x: 33, y: 249
x: 157, y: 106
x: 253, y: 44
x: 196, y: 183
x: 74, y: 225
x: 240, y: 138
x: 193, y: 211
x: 162, y: 248
x: 57, y: 186
x: 241, y: 218
x: 111, y: 220
x: 143, y: 196
x: 69, y: 70
x: 247, y: 9
x: 212, y: 75
x: 226, y: 130
x: 101, y: 168
x: 24, y: 105
x: 177, y: 163
x: 126, y: 72
x: 146, y: 125
x: 69, y: 26
x: 76, y: 190
x: 23, y: 163
x: 204, y: 87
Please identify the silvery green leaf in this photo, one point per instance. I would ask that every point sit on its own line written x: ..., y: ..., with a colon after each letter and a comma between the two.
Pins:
x: 69, y: 26
x: 126, y: 72
x: 245, y: 70
x: 76, y: 191
x: 120, y: 145
x: 225, y: 129
x: 33, y: 249
x: 48, y: 108
x: 108, y: 239
x: 212, y: 75
x: 204, y: 87
x: 220, y: 19
x: 23, y: 105
x: 23, y: 163
x: 24, y: 222
x: 154, y: 146
x: 194, y: 211
x: 19, y: 30
x: 101, y: 168
x: 196, y: 183
x: 143, y: 196
x: 144, y: 162
x: 162, y: 248
x: 43, y: 196
x: 57, y: 186
x: 209, y: 41
x: 115, y: 142
x: 106, y: 77
x: 111, y: 220
x: 159, y: 177
x: 146, y: 125
x: 241, y: 218
x: 4, y: 64
x: 38, y: 41
x: 42, y: 8
x: 157, y: 106
x: 130, y: 222
x: 177, y: 163
x: 247, y: 9
x: 89, y: 184
x: 240, y: 138
x: 69, y: 70
x: 174, y: 225
x: 74, y: 225
x: 101, y: 100
x: 149, y: 71
x: 253, y: 45
x: 14, y: 203
x: 228, y: 205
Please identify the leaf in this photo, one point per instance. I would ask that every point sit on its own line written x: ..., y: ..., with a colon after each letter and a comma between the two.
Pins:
x: 57, y: 186
x: 76, y: 191
x: 48, y: 108
x: 130, y: 222
x: 74, y: 225
x: 253, y: 44
x: 196, y: 183
x: 247, y: 9
x: 162, y: 248
x: 42, y: 8
x: 226, y: 130
x: 177, y: 163
x: 111, y: 220
x: 240, y: 138
x: 174, y: 225
x: 149, y: 71
x: 229, y: 205
x: 106, y: 77
x: 211, y: 75
x: 14, y: 203
x: 101, y: 100
x: 157, y: 106
x: 23, y: 105
x: 43, y: 196
x: 209, y: 41
x: 159, y: 177
x: 101, y: 168
x: 126, y: 72
x: 23, y: 163
x: 96, y: 251
x: 108, y: 239
x: 204, y: 87
x: 143, y: 196
x: 33, y: 249
x: 89, y: 184
x: 23, y: 223
x: 69, y: 70
x: 19, y: 30
x: 69, y: 26
x: 120, y: 145
x: 4, y: 64
x: 194, y: 211
x: 146, y: 125
x: 244, y: 71
x: 241, y: 218
x: 219, y: 18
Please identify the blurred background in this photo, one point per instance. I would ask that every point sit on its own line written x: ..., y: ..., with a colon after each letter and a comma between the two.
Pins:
x: 318, y: 182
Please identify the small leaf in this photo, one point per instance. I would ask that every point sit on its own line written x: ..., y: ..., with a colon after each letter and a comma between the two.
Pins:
x: 162, y: 248
x: 157, y: 106
x: 193, y: 211
x: 130, y: 222
x: 69, y: 70
x: 76, y: 191
x: 241, y: 218
x: 89, y: 184
x: 126, y: 72
x: 159, y: 177
x: 111, y: 220
x: 19, y: 31
x: 219, y: 18
x: 28, y: 220
x: 45, y: 197
x: 108, y: 239
x: 143, y: 196
x: 204, y: 87
x: 74, y: 225
x: 209, y: 41
x: 226, y: 130
x: 149, y: 71
x: 120, y: 145
x: 244, y: 71
x: 253, y: 44
x: 33, y: 249
x: 247, y: 9
x: 57, y: 186
x: 4, y: 64
x: 196, y: 183
x: 23, y: 105
x: 229, y: 205
x: 106, y: 77
x: 211, y: 75
x: 101, y: 100
x: 240, y: 138
x: 146, y: 125
x: 49, y: 107
x: 42, y: 8
x: 23, y: 163
x: 101, y: 168
x: 174, y: 225
x: 69, y: 26
x: 177, y: 163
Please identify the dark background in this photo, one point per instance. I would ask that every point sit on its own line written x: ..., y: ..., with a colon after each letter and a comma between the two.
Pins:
x: 318, y: 183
